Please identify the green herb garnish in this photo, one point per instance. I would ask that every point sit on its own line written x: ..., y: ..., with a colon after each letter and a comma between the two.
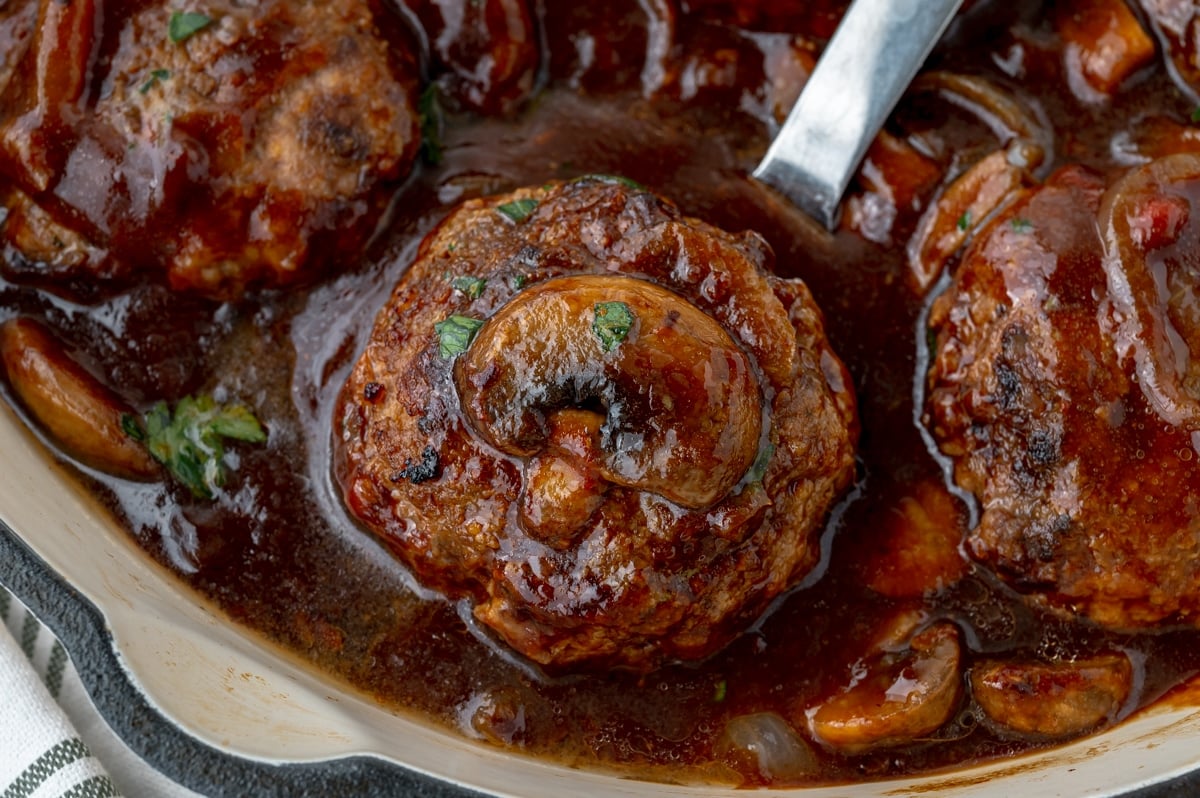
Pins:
x: 190, y: 441
x: 471, y: 286
x: 1196, y: 114
x: 184, y: 25
x: 156, y: 76
x: 133, y: 428
x: 456, y: 333
x: 964, y: 221
x: 611, y: 323
x: 429, y: 111
x: 720, y: 689
x: 517, y: 210
x: 1021, y: 225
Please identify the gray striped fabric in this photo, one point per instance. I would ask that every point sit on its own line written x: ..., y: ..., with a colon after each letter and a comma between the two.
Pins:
x: 40, y: 754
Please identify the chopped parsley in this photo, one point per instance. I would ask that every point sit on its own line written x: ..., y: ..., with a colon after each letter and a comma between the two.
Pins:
x: 517, y: 210
x: 456, y: 333
x: 190, y: 441
x: 471, y: 286
x: 429, y: 111
x: 964, y: 221
x: 519, y: 281
x: 720, y: 689
x: 1021, y: 225
x: 611, y: 323
x: 1196, y: 114
x: 184, y: 25
x: 156, y: 77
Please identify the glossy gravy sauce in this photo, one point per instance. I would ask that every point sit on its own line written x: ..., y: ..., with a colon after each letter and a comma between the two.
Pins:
x: 278, y: 553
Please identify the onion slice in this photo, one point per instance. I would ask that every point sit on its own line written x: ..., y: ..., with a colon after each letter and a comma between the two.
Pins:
x: 1139, y: 292
x: 1010, y: 120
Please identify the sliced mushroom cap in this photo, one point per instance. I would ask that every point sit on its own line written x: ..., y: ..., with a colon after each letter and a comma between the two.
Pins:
x: 81, y: 414
x: 681, y: 399
x: 1053, y: 700
x: 898, y: 697
x: 970, y: 201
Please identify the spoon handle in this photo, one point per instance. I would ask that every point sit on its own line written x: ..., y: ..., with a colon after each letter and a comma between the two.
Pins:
x: 872, y: 57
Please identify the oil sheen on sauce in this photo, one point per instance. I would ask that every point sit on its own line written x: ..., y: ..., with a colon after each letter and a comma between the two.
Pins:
x: 279, y: 554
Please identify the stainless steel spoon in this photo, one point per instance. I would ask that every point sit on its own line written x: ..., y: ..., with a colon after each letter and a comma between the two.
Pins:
x: 866, y: 67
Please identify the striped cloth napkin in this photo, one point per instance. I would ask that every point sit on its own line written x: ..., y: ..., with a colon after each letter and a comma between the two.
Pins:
x: 53, y: 742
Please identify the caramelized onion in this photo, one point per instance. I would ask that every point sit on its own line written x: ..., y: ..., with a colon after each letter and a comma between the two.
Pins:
x: 1132, y: 229
x: 1010, y: 120
x: 987, y: 186
x: 765, y: 742
x: 970, y: 201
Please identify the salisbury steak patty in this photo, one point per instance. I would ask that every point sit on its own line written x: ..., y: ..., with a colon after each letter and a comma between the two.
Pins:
x: 603, y: 422
x: 232, y: 145
x: 1063, y: 388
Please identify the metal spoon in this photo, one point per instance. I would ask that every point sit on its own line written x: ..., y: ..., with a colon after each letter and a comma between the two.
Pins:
x: 866, y: 67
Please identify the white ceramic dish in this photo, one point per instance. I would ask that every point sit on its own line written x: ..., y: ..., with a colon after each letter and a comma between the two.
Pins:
x: 246, y: 712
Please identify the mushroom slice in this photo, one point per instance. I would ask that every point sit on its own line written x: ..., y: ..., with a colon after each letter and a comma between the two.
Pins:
x: 972, y: 199
x: 897, y: 697
x: 1053, y: 700
x: 682, y: 402
x: 81, y: 414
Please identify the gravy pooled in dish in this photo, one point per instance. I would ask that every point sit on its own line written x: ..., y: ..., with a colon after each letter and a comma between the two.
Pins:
x: 342, y: 310
x: 605, y: 422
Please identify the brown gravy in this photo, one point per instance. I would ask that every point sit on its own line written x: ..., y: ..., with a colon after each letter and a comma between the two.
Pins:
x: 278, y: 553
